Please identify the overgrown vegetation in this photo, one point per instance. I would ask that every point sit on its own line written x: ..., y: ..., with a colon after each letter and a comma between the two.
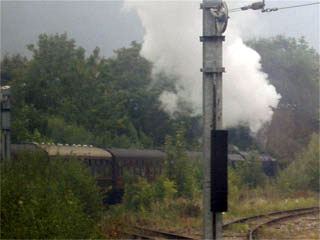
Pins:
x: 178, y: 179
x: 304, y: 172
x: 178, y: 166
x: 45, y: 198
x: 160, y: 205
x: 62, y: 95
x: 141, y: 195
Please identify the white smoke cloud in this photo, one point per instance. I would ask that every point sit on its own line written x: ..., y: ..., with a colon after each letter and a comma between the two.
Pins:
x: 169, y: 102
x: 171, y: 42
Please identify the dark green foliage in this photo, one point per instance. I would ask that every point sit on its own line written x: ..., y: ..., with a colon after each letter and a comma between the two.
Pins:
x: 62, y: 132
x: 60, y: 95
x: 42, y: 199
x: 11, y: 67
x: 28, y: 124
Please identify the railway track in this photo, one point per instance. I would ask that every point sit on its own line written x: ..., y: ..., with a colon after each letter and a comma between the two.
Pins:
x: 253, y: 234
x: 146, y: 233
x: 255, y: 223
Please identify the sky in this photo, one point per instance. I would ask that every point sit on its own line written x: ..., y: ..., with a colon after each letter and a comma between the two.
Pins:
x: 107, y: 25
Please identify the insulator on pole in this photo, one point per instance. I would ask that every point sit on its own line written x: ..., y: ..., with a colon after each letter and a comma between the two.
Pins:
x: 254, y: 6
x: 257, y: 5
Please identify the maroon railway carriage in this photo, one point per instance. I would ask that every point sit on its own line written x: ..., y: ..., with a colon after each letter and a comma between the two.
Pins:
x: 98, y: 160
x: 143, y: 163
x: 109, y: 165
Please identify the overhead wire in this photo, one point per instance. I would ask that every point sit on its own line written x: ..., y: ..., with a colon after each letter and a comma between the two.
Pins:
x: 235, y: 10
x: 302, y: 5
x: 272, y: 9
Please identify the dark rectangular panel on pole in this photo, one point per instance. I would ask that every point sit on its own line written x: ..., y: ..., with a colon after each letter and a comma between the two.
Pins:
x: 219, y: 170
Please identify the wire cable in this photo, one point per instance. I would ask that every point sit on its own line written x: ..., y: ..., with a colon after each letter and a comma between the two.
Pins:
x: 302, y: 5
x: 275, y: 9
x: 235, y: 10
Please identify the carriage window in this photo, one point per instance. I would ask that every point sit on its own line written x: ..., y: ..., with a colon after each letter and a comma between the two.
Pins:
x: 108, y: 171
x: 142, y: 168
x: 136, y: 168
x: 121, y: 171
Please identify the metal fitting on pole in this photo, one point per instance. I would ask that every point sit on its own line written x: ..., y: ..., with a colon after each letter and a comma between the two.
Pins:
x: 254, y: 6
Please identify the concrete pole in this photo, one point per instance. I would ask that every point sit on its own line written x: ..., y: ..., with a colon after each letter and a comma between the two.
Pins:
x: 214, y: 25
x: 5, y: 123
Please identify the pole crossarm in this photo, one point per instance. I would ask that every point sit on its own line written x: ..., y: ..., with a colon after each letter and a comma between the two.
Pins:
x: 212, y: 38
x: 209, y: 5
x: 213, y: 70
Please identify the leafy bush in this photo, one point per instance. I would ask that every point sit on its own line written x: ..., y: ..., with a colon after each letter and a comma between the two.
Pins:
x: 178, y: 167
x: 303, y: 173
x: 141, y: 195
x: 42, y: 198
x: 164, y: 189
x: 76, y: 176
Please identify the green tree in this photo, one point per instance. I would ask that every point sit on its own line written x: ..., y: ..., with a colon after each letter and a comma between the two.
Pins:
x: 62, y: 95
x: 10, y: 68
x: 56, y: 70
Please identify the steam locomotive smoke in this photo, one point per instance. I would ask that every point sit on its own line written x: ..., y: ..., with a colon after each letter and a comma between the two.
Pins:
x: 171, y: 42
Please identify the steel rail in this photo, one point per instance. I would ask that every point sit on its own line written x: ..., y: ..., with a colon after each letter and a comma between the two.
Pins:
x: 151, y: 234
x: 146, y: 233
x: 242, y: 220
x: 166, y: 235
x: 132, y: 235
x: 253, y: 233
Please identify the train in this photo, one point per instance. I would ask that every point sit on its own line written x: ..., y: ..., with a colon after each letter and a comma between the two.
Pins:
x: 109, y: 165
